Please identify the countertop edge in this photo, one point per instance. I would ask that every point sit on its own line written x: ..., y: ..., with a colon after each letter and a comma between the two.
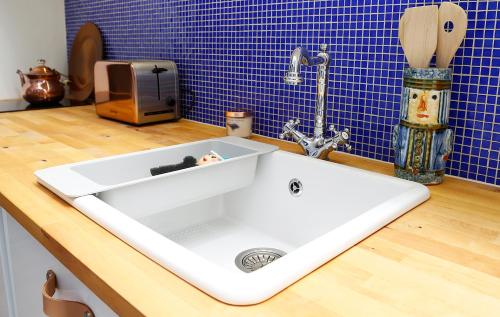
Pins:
x: 107, y: 293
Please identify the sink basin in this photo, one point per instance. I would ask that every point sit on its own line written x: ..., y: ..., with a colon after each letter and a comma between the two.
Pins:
x: 246, y: 244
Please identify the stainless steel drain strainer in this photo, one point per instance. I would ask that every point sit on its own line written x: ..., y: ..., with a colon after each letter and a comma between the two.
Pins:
x: 253, y: 259
x: 295, y: 187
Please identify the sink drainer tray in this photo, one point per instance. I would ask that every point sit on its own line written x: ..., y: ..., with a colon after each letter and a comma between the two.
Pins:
x: 131, y: 172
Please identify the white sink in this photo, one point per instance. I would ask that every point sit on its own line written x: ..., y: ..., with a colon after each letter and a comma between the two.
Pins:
x: 199, y: 238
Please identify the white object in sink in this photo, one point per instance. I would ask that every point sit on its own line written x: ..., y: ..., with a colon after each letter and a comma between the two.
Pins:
x: 336, y: 207
x: 122, y: 173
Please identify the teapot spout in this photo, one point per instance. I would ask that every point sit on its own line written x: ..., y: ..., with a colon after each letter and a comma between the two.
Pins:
x: 21, y: 77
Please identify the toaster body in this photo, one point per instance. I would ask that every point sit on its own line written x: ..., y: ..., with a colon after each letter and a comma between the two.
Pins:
x: 137, y: 92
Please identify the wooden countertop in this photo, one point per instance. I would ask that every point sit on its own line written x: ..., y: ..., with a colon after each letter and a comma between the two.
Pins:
x: 441, y: 259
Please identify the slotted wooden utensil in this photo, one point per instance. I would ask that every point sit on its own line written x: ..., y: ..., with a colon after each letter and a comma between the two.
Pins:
x: 451, y: 32
x: 418, y: 34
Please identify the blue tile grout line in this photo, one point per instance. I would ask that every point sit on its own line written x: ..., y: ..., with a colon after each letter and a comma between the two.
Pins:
x: 233, y: 54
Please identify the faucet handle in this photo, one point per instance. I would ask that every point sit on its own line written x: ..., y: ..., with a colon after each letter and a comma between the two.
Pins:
x: 341, y: 137
x: 348, y: 147
x: 345, y: 136
x: 291, y: 124
x: 288, y: 127
x: 323, y: 47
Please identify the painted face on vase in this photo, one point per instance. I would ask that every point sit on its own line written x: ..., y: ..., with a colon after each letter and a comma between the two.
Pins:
x: 423, y: 106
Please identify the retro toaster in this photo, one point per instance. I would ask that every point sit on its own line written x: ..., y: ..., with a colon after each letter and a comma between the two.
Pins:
x: 137, y: 92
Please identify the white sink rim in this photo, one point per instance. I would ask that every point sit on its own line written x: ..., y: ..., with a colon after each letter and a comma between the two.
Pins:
x: 266, y: 282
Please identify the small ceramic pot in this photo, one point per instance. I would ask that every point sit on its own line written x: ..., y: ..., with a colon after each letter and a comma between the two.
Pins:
x: 239, y: 123
x: 422, y: 141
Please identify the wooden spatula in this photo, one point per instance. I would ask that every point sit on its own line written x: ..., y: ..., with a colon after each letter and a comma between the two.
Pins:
x: 418, y: 29
x: 451, y: 32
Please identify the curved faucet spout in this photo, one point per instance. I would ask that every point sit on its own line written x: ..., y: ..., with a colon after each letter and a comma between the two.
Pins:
x: 300, y: 56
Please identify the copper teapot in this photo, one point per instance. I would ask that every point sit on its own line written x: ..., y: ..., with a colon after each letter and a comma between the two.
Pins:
x: 42, y: 84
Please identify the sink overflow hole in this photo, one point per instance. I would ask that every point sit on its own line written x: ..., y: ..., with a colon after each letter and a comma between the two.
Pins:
x: 253, y: 259
x: 295, y: 187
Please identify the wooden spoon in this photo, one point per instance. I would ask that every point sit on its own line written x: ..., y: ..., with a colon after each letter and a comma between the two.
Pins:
x: 451, y: 32
x: 418, y: 29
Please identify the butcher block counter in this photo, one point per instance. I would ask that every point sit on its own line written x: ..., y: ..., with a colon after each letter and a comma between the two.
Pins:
x: 440, y: 259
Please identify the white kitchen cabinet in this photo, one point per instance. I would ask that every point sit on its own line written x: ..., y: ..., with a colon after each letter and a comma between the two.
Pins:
x: 28, y: 262
x: 5, y: 292
x: 4, y: 309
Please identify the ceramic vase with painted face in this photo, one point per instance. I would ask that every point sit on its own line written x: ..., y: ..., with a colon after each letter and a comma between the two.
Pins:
x: 422, y: 141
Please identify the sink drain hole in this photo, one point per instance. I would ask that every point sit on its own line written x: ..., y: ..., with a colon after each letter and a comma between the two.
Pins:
x: 295, y: 187
x: 253, y: 259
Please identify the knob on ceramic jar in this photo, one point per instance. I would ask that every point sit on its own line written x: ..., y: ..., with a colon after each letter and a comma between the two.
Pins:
x: 239, y: 123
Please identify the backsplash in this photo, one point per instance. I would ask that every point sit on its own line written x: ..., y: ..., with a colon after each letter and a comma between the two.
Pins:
x: 233, y: 54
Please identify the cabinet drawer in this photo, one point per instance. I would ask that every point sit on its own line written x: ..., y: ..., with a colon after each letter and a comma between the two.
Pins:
x: 29, y: 262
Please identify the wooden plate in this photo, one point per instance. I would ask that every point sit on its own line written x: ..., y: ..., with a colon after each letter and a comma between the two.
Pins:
x: 86, y: 50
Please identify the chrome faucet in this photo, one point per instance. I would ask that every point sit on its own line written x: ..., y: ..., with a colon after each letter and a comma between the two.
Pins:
x: 317, y: 146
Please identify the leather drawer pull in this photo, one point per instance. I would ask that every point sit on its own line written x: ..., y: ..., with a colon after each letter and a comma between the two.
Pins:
x: 58, y: 307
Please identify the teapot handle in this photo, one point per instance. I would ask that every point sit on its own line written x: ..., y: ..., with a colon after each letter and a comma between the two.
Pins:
x: 21, y: 77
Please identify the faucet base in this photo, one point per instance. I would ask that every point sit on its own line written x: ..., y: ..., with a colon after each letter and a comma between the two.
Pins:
x: 317, y: 147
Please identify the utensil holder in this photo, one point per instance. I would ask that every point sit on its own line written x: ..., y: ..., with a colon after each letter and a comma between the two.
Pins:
x: 422, y: 141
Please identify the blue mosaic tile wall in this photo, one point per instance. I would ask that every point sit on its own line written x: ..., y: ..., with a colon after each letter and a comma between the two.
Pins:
x: 233, y: 54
